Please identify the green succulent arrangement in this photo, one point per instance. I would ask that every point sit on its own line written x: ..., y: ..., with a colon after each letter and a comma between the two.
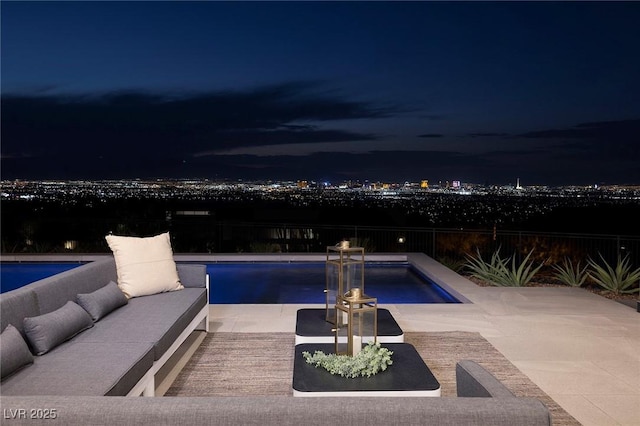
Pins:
x: 371, y: 360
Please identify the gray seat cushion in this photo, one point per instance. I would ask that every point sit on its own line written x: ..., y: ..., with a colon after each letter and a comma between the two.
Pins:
x: 83, y: 369
x: 159, y: 319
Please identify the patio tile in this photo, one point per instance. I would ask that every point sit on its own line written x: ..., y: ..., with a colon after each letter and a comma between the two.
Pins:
x: 560, y: 325
x: 584, y: 410
x: 625, y: 409
x: 569, y: 348
x: 574, y: 378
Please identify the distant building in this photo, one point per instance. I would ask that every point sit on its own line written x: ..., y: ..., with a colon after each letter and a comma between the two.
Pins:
x: 424, y: 184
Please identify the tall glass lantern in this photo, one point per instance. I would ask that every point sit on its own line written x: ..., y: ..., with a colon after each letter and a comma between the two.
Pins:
x: 356, y: 322
x: 344, y: 271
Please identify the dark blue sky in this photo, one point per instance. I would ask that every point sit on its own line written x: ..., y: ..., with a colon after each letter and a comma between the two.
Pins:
x: 475, y: 91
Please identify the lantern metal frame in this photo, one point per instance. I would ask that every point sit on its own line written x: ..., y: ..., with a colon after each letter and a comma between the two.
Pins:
x: 358, y: 313
x: 344, y: 270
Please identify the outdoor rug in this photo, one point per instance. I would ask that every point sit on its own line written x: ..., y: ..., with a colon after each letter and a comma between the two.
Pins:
x: 237, y: 364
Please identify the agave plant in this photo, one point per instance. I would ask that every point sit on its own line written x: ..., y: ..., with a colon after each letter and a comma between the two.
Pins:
x: 503, y: 272
x: 618, y: 280
x: 482, y: 269
x: 570, y: 274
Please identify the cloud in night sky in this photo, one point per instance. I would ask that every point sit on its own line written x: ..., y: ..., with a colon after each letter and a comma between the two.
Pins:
x: 614, y: 140
x: 486, y: 135
x: 470, y: 91
x: 140, y: 134
x: 189, y: 122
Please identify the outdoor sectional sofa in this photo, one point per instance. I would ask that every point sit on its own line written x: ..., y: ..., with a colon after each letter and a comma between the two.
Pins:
x: 482, y: 400
x: 115, y: 353
x: 92, y: 378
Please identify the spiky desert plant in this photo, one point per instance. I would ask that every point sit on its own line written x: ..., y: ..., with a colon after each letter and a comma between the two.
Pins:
x: 570, y: 274
x: 503, y: 272
x: 482, y: 269
x: 617, y: 280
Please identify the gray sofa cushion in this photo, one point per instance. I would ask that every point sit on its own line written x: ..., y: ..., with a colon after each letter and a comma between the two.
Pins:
x: 192, y: 275
x: 83, y: 369
x: 102, y: 301
x: 14, y: 352
x: 53, y: 292
x: 184, y: 311
x: 47, y: 331
x: 15, y: 305
x: 159, y: 319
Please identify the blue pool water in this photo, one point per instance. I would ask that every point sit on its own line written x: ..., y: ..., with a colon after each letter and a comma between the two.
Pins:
x: 305, y: 283
x: 15, y: 275
x: 263, y: 283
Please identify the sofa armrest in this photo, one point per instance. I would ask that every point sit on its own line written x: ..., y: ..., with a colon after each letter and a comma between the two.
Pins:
x: 472, y: 380
x: 192, y: 275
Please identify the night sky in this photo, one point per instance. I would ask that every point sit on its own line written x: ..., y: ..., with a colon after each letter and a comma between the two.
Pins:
x: 483, y: 92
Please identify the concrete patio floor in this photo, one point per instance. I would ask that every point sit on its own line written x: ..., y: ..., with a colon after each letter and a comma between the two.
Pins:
x: 583, y: 350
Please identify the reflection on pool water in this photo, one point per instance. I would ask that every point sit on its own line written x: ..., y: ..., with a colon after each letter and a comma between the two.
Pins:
x: 305, y: 282
x: 262, y: 283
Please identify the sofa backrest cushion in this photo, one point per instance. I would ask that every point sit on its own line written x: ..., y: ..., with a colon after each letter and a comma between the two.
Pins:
x: 14, y: 352
x: 54, y: 292
x: 47, y: 331
x: 102, y: 301
x: 15, y: 305
x: 192, y: 275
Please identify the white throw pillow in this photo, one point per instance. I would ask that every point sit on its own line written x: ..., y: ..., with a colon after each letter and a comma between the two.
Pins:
x: 145, y: 265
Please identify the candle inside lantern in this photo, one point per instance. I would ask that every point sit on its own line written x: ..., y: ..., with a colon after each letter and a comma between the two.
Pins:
x: 357, y: 345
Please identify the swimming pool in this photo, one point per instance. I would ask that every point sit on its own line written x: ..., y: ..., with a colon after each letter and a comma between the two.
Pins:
x: 305, y: 282
x: 272, y: 282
